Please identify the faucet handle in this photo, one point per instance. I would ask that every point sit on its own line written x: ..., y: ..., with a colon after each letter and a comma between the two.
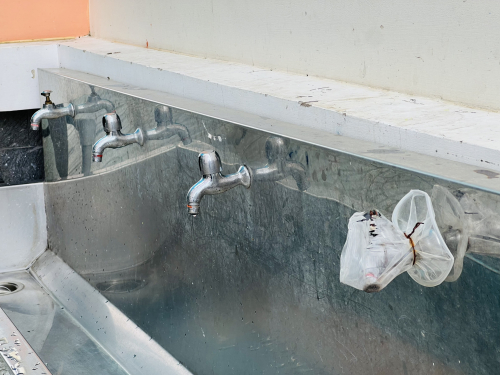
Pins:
x: 111, y: 122
x: 93, y: 97
x: 209, y: 163
x: 276, y: 149
x: 163, y: 114
x: 47, y: 93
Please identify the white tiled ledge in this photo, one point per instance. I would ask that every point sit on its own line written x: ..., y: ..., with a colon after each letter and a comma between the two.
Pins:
x: 392, y: 119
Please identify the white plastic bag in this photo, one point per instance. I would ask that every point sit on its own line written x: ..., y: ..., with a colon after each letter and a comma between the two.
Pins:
x: 374, y: 253
x: 377, y: 250
x: 452, y: 222
x: 433, y: 259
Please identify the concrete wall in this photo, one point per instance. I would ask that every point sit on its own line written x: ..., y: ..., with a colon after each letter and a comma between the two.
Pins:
x: 445, y: 49
x: 48, y: 19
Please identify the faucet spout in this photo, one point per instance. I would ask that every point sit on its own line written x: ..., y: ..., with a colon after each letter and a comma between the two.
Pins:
x: 299, y: 174
x: 163, y: 131
x: 50, y: 111
x: 279, y: 166
x: 114, y: 137
x: 213, y: 181
x: 95, y: 105
x: 166, y: 128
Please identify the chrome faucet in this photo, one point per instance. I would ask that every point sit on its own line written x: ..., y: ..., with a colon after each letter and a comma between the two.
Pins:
x: 94, y: 103
x: 50, y: 110
x: 114, y: 137
x: 165, y: 127
x: 213, y: 182
x: 279, y: 166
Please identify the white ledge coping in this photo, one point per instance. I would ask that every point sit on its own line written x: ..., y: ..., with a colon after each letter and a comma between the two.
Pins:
x: 392, y: 119
x: 422, y: 125
x: 453, y: 171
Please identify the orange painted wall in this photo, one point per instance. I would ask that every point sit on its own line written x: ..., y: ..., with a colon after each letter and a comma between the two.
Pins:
x: 43, y: 19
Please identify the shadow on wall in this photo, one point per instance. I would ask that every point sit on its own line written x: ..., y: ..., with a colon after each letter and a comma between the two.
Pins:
x: 21, y: 151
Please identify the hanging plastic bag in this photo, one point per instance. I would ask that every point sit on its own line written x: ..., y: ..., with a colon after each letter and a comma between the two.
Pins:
x: 433, y: 260
x: 377, y: 250
x: 374, y: 254
x: 452, y: 222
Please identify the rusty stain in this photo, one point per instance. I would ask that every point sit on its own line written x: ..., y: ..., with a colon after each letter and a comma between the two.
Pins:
x: 384, y: 151
x: 413, y: 101
x: 315, y: 176
x: 306, y: 104
x: 487, y: 173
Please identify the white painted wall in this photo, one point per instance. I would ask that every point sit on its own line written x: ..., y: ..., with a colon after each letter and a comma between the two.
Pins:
x: 447, y: 48
x: 18, y: 73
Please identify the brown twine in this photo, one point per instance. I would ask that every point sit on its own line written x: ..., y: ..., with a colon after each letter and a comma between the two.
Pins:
x: 413, y: 243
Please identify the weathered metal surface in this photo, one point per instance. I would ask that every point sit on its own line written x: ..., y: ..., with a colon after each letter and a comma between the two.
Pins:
x: 17, y: 352
x: 134, y: 350
x: 24, y: 227
x: 251, y: 285
x: 46, y: 330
